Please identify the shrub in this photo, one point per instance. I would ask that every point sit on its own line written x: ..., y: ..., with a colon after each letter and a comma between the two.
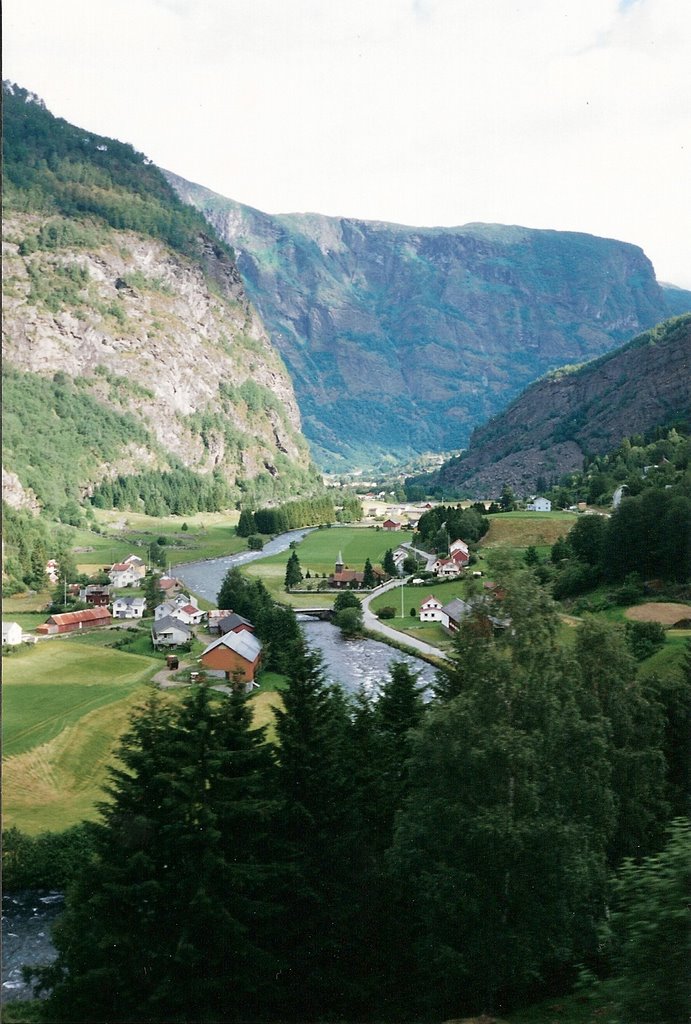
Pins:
x: 387, y: 612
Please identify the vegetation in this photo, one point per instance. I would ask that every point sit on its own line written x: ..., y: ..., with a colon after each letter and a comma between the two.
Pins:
x: 156, y: 493
x: 363, y: 886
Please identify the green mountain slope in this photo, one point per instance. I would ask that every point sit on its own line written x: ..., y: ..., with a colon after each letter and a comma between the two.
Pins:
x: 404, y: 339
x: 129, y: 342
x: 577, y: 411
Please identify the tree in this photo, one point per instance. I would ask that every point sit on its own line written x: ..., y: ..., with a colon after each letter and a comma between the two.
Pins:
x: 501, y: 856
x: 369, y: 580
x: 293, y: 574
x: 650, y: 925
x: 410, y: 564
x: 507, y: 500
x: 170, y: 919
x: 319, y: 829
x: 152, y: 592
x: 388, y: 565
x: 346, y: 599
x: 246, y: 525
x: 349, y: 621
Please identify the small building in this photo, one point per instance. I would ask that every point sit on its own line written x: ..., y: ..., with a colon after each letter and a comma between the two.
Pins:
x: 237, y: 655
x: 95, y: 595
x: 52, y: 571
x: 122, y: 574
x: 539, y: 505
x: 169, y: 586
x: 69, y: 622
x: 170, y: 632
x: 390, y: 525
x: 11, y: 634
x: 454, y: 612
x: 129, y: 607
x: 215, y: 616
x: 137, y: 563
x: 234, y: 623
x: 431, y: 610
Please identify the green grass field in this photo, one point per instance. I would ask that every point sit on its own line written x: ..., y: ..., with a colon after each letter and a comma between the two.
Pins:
x: 318, y: 553
x: 65, y: 703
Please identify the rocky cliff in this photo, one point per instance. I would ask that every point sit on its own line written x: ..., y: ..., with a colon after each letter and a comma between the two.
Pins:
x: 404, y: 339
x: 577, y: 411
x: 108, y: 284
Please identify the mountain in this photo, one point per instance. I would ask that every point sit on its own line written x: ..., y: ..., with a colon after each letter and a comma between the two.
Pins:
x: 401, y: 339
x: 575, y: 411
x: 129, y: 341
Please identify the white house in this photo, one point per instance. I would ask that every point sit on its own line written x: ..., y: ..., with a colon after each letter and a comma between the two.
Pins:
x: 137, y: 563
x: 122, y: 574
x: 431, y: 610
x: 182, y: 608
x: 539, y: 505
x: 169, y: 632
x: 11, y: 634
x: 128, y: 607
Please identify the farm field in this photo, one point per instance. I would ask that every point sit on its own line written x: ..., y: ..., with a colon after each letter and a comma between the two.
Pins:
x: 65, y: 704
x: 318, y: 553
x: 522, y: 529
x: 208, y: 535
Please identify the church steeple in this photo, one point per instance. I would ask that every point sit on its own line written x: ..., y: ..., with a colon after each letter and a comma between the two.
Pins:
x: 340, y: 564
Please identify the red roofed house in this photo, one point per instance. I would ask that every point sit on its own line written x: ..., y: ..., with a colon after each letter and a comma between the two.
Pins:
x: 124, y: 574
x: 68, y: 622
x: 391, y: 524
x: 431, y: 610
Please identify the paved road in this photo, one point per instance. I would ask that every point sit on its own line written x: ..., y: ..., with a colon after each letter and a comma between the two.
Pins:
x: 371, y: 622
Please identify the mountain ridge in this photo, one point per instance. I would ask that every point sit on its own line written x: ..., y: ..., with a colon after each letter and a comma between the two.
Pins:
x: 577, y: 411
x: 401, y: 340
x: 129, y: 298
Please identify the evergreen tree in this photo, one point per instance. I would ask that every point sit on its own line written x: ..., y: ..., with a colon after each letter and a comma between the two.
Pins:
x: 501, y: 841
x: 388, y: 565
x: 635, y: 738
x: 369, y: 580
x: 293, y: 574
x: 172, y: 917
x: 319, y: 829
x: 246, y: 525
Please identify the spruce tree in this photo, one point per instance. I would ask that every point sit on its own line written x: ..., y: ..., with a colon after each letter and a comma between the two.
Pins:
x: 369, y: 580
x: 293, y: 574
x: 172, y: 918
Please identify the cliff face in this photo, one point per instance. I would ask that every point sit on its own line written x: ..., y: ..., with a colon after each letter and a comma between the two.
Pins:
x: 158, y: 331
x: 573, y: 412
x: 402, y: 339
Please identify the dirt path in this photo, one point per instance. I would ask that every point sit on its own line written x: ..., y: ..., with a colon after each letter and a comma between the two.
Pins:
x: 163, y: 680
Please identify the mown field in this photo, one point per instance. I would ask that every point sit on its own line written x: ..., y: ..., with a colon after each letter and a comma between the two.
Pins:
x: 318, y: 553
x: 208, y: 535
x: 517, y: 530
x: 65, y: 703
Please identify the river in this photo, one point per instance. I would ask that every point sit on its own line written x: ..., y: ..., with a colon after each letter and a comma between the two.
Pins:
x: 354, y: 664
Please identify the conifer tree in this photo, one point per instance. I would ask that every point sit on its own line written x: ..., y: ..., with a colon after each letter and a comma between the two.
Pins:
x: 293, y: 574
x: 369, y: 580
x: 171, y: 919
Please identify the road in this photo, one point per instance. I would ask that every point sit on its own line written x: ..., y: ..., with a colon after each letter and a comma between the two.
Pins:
x: 374, y: 624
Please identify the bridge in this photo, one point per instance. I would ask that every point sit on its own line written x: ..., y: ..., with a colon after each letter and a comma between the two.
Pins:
x: 316, y: 613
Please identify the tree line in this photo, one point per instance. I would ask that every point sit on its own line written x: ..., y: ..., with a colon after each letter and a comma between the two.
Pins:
x: 411, y: 857
x: 164, y: 492
x: 292, y: 515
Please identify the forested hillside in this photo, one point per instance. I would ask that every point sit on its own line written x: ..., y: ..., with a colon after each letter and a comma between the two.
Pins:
x: 129, y: 342
x: 403, y: 339
x: 576, y: 412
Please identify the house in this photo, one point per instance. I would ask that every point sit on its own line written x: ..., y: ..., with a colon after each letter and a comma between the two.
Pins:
x: 95, y: 595
x: 454, y: 612
x: 430, y: 610
x: 129, y: 607
x: 169, y: 586
x: 189, y: 613
x: 391, y: 524
x: 234, y: 623
x: 52, y: 570
x: 237, y: 655
x: 214, y: 617
x: 458, y: 549
x: 539, y: 505
x: 169, y: 632
x: 68, y: 622
x: 11, y: 634
x: 122, y: 574
x: 137, y: 563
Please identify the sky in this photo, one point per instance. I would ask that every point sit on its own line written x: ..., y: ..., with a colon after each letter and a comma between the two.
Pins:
x: 566, y: 114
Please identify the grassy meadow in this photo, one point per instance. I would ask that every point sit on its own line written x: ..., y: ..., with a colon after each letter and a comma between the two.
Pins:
x: 65, y: 704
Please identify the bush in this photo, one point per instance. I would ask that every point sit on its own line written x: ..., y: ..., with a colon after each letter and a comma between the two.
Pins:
x: 413, y: 613
x: 644, y: 638
x: 387, y: 612
x: 255, y: 542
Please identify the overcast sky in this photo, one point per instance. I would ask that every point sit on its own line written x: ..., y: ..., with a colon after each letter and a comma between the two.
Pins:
x: 569, y: 114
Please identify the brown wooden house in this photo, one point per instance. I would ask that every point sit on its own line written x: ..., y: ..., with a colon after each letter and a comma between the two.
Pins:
x: 238, y: 655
